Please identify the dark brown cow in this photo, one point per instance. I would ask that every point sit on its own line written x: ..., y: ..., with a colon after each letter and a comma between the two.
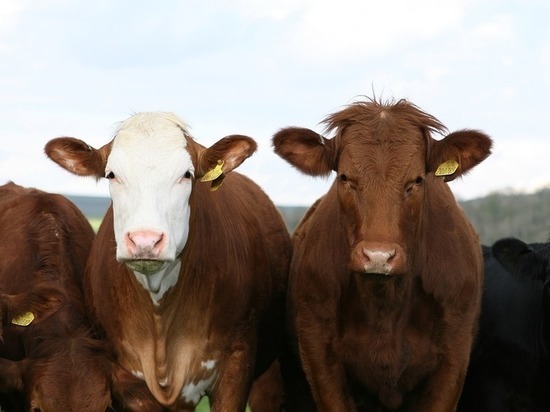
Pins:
x: 53, y: 360
x: 187, y: 283
x: 386, y: 276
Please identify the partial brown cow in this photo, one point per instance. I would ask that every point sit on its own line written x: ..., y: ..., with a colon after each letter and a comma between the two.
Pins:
x: 187, y: 276
x: 50, y: 362
x: 386, y: 276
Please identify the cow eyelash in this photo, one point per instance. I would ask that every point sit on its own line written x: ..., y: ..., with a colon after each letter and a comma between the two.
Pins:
x: 417, y: 182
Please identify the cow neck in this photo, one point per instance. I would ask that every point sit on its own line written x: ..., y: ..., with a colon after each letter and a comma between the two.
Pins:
x: 159, y: 283
x: 382, y: 298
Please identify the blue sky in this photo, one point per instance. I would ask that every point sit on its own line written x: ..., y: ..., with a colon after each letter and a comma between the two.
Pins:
x: 77, y: 68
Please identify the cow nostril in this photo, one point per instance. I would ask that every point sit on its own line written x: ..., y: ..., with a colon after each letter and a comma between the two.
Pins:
x: 145, y: 241
x: 380, y: 256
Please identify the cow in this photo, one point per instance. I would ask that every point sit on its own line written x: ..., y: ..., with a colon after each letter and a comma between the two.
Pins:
x: 49, y: 359
x: 385, y: 282
x: 186, y: 277
x: 510, y: 363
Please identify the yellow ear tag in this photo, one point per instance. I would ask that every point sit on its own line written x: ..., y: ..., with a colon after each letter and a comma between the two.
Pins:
x: 25, y: 319
x: 213, y: 173
x: 216, y: 183
x: 447, y: 168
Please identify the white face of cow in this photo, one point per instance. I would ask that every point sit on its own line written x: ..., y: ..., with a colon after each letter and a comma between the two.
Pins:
x: 149, y: 171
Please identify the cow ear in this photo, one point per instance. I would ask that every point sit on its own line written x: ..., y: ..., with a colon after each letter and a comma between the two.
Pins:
x: 11, y: 375
x: 130, y: 393
x: 34, y: 306
x: 222, y: 157
x: 458, y: 153
x: 306, y: 150
x: 519, y: 259
x: 78, y: 157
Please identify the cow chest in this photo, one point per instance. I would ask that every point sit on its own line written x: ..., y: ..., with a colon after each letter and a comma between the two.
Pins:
x: 388, y: 346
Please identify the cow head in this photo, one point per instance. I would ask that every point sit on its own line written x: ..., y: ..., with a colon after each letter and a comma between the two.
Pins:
x: 152, y: 164
x: 385, y: 160
x: 530, y: 267
x: 56, y: 374
x: 75, y: 374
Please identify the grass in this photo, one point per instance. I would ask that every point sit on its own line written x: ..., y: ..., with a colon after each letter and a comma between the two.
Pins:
x: 204, y: 406
x: 95, y: 222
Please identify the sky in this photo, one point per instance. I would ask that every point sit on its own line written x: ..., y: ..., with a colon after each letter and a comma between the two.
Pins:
x: 78, y: 68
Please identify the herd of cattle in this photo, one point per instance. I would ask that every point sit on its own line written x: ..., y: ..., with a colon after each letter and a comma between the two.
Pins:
x: 383, y: 299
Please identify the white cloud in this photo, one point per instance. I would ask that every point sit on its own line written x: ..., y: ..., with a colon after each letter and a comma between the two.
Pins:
x: 10, y: 11
x: 275, y: 10
x: 253, y: 66
x: 351, y: 28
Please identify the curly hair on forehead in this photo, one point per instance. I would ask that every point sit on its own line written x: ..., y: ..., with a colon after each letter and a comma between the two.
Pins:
x: 373, y: 114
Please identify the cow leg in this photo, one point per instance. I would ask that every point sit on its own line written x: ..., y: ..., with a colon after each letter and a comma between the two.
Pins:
x: 267, y: 392
x: 233, y: 386
x: 444, y: 387
x: 297, y: 393
x: 324, y: 371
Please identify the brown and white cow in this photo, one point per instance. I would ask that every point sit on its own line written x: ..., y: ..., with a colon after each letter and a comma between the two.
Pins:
x: 50, y: 362
x: 386, y: 275
x: 186, y: 281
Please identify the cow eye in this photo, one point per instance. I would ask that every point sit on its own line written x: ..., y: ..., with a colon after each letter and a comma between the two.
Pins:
x: 410, y: 187
x: 343, y: 177
x: 110, y: 175
x: 187, y: 175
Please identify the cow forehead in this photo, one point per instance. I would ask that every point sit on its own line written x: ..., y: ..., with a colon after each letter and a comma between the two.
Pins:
x: 146, y: 136
x: 374, y: 155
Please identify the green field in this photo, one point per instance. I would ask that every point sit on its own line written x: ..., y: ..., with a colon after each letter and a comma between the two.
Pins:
x: 95, y: 222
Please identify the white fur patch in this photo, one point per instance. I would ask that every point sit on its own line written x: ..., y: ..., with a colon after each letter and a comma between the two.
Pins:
x: 149, y: 159
x: 159, y: 283
x: 192, y: 392
x: 138, y: 374
x: 209, y: 364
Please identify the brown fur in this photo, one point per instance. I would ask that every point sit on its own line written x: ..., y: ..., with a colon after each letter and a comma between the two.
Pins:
x: 55, y: 362
x: 46, y: 240
x: 229, y: 293
x: 387, y: 342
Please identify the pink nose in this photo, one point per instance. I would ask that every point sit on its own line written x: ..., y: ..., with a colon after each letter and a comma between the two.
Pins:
x: 145, y: 244
x: 381, y: 258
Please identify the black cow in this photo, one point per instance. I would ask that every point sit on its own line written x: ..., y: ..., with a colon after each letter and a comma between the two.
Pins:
x: 510, y: 362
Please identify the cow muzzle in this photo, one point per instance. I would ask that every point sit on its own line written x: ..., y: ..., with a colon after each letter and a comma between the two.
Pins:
x: 378, y: 258
x: 147, y: 267
x: 145, y: 251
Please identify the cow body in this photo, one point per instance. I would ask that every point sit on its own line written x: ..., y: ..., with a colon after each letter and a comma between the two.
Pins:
x: 194, y: 304
x: 510, y: 364
x: 56, y: 363
x: 386, y: 275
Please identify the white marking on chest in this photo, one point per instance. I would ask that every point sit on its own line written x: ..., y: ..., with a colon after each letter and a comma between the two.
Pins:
x: 159, y: 283
x: 138, y: 374
x: 209, y: 364
x: 193, y: 392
